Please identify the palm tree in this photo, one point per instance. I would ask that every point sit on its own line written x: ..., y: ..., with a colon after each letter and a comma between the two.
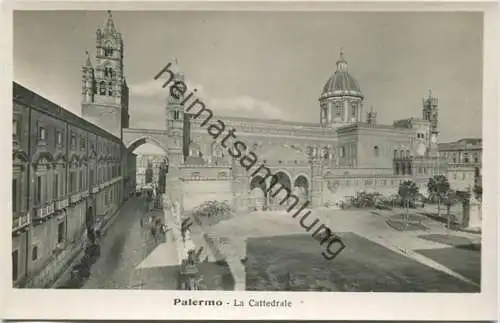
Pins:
x: 438, y: 186
x: 408, y: 191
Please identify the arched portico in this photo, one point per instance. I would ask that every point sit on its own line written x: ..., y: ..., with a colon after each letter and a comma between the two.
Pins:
x: 279, y: 189
x: 301, y: 187
x: 258, y: 193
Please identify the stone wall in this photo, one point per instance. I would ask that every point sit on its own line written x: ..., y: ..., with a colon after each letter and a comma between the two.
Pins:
x: 200, y: 184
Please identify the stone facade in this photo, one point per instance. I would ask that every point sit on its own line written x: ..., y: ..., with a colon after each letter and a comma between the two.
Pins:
x: 306, y: 158
x: 346, y: 146
x: 104, y: 88
x: 464, y: 158
x: 63, y: 166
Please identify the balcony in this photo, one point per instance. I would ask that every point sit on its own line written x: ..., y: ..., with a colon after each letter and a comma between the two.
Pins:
x: 42, y: 212
x: 21, y: 222
x: 75, y: 198
x: 50, y: 208
x: 62, y: 203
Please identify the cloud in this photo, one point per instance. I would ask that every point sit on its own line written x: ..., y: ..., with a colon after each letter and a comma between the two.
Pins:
x: 241, y: 106
x: 155, y: 89
x: 244, y: 106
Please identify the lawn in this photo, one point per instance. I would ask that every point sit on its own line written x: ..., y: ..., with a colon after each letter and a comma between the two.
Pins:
x: 464, y: 257
x: 294, y: 262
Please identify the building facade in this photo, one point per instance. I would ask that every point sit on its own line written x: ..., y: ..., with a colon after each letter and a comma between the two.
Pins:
x: 464, y: 159
x: 145, y: 162
x: 66, y: 172
x: 345, y: 152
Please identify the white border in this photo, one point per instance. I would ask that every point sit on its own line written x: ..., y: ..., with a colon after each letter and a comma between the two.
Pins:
x: 131, y: 304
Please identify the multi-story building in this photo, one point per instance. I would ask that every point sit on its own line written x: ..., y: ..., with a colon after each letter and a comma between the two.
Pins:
x: 68, y: 171
x: 464, y: 159
x: 151, y: 162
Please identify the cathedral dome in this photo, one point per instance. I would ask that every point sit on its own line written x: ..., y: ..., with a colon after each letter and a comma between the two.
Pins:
x: 341, y: 83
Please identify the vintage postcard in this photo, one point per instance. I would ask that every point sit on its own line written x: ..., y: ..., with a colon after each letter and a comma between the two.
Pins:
x: 258, y: 163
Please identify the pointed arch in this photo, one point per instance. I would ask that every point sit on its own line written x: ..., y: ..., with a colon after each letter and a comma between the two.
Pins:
x: 134, y: 144
x: 20, y: 155
x: 74, y: 159
x: 92, y: 155
x: 60, y: 158
x: 42, y: 156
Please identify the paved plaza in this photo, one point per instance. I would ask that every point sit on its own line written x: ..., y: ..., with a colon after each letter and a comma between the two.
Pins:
x: 270, y: 251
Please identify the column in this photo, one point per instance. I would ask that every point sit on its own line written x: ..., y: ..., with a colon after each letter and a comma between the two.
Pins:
x: 346, y: 111
x: 330, y: 106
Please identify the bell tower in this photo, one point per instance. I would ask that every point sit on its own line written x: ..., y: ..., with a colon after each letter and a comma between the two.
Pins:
x: 176, y: 124
x: 105, y: 91
x: 430, y: 114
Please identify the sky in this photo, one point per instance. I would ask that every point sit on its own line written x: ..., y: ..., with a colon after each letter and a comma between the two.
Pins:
x: 267, y: 64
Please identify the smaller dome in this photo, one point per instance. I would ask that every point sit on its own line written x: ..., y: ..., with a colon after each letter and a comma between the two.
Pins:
x: 341, y: 83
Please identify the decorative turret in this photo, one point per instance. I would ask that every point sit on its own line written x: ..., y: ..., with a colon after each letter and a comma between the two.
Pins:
x: 87, y: 81
x: 371, y: 118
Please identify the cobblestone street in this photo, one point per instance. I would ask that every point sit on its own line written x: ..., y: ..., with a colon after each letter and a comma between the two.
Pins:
x: 130, y: 258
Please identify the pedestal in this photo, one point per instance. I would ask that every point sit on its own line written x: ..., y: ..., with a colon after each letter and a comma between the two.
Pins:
x: 475, y: 214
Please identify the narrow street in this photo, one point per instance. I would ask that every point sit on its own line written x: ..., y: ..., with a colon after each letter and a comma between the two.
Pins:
x: 130, y: 257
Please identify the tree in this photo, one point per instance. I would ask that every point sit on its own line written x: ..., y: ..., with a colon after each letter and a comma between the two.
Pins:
x: 408, y: 191
x: 478, y: 184
x: 438, y: 186
x: 450, y: 197
x: 214, y: 211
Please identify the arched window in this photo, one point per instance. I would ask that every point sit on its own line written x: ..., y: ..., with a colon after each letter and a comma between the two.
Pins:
x: 324, y: 112
x: 353, y: 110
x: 102, y: 88
x: 108, y: 72
x: 342, y: 151
x: 110, y: 89
x: 376, y: 151
x: 338, y: 109
x: 108, y: 50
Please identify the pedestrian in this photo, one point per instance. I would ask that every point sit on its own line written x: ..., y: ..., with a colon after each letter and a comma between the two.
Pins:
x: 142, y: 222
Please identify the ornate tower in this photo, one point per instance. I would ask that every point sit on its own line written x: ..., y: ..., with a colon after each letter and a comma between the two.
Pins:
x: 175, y: 117
x: 105, y: 91
x: 341, y: 101
x: 430, y: 114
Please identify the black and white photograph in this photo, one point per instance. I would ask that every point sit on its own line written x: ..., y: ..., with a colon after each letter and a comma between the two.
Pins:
x: 280, y: 154
x: 248, y: 151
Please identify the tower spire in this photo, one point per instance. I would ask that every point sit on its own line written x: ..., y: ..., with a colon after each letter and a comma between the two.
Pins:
x: 110, y: 25
x: 87, y: 62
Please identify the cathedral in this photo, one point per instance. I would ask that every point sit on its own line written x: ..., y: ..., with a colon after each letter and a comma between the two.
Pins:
x: 346, y: 151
